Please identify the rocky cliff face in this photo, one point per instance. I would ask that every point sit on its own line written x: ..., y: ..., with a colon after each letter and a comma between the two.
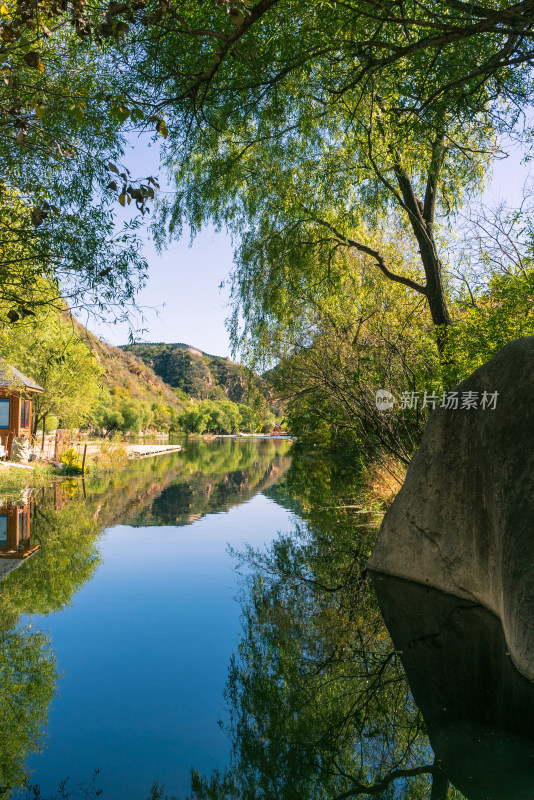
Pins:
x: 464, y: 520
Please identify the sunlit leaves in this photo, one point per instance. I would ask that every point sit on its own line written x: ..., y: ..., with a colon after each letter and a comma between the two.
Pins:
x: 289, y: 150
x: 491, y: 319
x: 57, y: 136
x: 75, y: 247
x: 50, y: 349
x: 162, y: 128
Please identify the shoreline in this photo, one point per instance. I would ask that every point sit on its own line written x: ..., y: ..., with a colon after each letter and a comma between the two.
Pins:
x: 248, y: 436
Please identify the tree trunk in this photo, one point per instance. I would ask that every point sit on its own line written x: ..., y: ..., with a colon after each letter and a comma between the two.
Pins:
x: 440, y: 783
x: 437, y: 302
x: 421, y: 216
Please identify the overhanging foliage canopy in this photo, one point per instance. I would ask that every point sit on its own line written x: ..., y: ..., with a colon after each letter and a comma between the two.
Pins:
x: 308, y: 128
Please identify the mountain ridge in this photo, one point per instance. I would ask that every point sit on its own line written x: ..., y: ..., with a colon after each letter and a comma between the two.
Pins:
x: 124, y: 372
x: 179, y: 345
x: 199, y: 375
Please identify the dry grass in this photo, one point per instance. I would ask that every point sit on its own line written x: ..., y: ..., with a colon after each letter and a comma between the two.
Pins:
x: 382, y: 480
x: 111, y: 456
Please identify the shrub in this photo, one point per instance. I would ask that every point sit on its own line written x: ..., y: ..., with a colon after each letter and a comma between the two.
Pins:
x: 71, y: 461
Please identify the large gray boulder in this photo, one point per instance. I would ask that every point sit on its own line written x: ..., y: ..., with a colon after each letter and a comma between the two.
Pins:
x: 463, y: 521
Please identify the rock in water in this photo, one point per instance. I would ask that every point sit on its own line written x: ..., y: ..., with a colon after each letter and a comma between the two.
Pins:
x: 463, y: 521
x: 477, y: 708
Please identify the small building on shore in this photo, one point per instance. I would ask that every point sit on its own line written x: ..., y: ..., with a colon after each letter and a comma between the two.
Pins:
x: 16, y: 406
x: 15, y: 545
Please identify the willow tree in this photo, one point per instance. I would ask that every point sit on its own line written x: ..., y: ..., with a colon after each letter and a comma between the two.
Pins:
x: 308, y: 129
x: 62, y: 119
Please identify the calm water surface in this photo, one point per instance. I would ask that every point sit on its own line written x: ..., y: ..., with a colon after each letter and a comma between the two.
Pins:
x: 135, y: 642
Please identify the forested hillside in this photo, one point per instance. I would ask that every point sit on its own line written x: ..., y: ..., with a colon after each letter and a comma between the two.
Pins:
x: 124, y: 371
x: 87, y: 383
x: 198, y: 374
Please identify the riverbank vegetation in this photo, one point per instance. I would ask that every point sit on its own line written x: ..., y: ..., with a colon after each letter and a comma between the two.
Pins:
x: 226, y: 417
x: 369, y: 335
x: 109, y: 457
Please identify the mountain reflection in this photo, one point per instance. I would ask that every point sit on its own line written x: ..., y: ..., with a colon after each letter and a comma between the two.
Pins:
x: 52, y: 536
x: 340, y: 686
x: 325, y: 701
x: 204, y: 478
x: 213, y: 479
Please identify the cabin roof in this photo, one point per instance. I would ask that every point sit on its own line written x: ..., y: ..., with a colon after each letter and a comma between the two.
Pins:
x: 11, y: 378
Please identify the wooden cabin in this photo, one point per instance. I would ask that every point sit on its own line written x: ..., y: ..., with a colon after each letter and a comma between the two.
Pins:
x: 15, y: 531
x: 16, y: 391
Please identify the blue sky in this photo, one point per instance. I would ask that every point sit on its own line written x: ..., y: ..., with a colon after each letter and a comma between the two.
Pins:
x: 182, y: 300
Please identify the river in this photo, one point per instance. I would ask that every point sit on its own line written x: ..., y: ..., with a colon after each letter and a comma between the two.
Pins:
x: 202, y: 625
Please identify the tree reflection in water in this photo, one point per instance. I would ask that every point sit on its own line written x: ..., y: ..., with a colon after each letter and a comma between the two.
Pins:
x: 66, y: 520
x: 318, y: 702
x: 66, y: 559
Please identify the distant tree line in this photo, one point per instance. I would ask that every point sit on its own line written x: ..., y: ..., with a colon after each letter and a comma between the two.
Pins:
x: 210, y: 416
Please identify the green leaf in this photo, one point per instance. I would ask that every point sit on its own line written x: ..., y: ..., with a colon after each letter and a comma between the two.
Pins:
x: 162, y: 129
x: 78, y: 113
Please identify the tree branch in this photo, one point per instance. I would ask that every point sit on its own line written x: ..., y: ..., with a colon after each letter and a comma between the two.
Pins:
x: 382, y: 785
x: 436, y: 162
x: 375, y: 254
x: 204, y: 78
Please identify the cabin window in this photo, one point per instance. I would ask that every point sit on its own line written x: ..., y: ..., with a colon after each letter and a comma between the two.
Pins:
x: 24, y: 413
x: 3, y: 529
x: 4, y: 413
